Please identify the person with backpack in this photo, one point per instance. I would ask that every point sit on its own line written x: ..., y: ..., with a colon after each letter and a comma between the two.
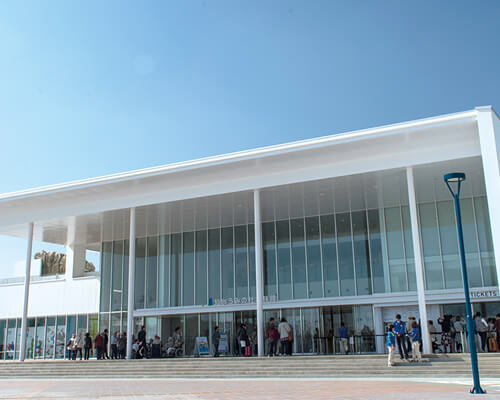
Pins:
x: 87, y: 345
x: 415, y: 338
x: 273, y: 336
x: 286, y: 337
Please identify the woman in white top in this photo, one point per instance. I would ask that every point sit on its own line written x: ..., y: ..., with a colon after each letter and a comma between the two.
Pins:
x: 286, y: 337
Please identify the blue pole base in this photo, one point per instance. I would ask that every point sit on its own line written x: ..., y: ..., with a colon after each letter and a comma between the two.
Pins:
x: 477, y: 390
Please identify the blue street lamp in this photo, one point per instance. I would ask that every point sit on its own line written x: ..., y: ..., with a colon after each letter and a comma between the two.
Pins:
x: 454, y: 182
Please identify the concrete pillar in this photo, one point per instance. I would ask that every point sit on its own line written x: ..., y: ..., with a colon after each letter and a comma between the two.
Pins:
x: 131, y: 276
x: 419, y: 266
x: 489, y: 139
x: 75, y: 261
x: 258, y: 272
x: 24, y: 322
x: 378, y: 319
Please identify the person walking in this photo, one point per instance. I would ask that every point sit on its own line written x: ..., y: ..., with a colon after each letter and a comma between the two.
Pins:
x: 285, y: 331
x: 114, y: 346
x: 105, y: 346
x: 400, y: 331
x: 482, y: 330
x: 215, y: 341
x: 273, y: 336
x: 344, y: 339
x: 415, y: 338
x: 87, y: 343
x: 391, y: 345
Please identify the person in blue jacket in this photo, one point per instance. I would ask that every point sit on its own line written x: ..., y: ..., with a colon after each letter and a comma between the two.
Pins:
x: 391, y: 345
x: 415, y: 338
x: 400, y: 331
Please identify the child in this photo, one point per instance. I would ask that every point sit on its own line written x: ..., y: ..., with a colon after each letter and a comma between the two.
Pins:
x: 391, y: 345
x: 414, y: 336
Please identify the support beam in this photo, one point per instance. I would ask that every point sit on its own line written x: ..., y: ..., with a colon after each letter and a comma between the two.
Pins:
x: 419, y: 266
x: 258, y: 272
x: 379, y: 330
x: 24, y: 322
x: 131, y: 276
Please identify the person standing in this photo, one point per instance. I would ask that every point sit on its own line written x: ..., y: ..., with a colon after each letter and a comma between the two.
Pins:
x: 445, y: 323
x: 391, y: 345
x: 400, y: 332
x: 285, y: 331
x: 273, y: 336
x: 78, y: 346
x: 415, y: 338
x: 482, y: 330
x: 243, y: 338
x: 458, y: 325
x: 215, y: 341
x: 99, y: 344
x: 87, y: 343
x: 71, y: 347
x: 114, y: 346
x: 344, y: 339
x: 105, y: 348
x: 497, y: 330
x: 122, y: 345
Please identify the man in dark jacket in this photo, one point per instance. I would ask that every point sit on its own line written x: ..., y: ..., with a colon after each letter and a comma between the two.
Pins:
x: 141, y: 337
x: 215, y: 341
x: 87, y: 346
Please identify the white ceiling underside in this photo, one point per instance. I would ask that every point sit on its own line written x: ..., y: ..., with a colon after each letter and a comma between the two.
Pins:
x: 339, y: 194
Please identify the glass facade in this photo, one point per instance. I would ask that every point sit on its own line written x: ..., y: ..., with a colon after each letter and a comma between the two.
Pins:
x: 342, y: 254
x: 46, y: 337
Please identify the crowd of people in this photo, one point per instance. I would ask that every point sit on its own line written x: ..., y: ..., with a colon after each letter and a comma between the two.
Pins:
x: 407, y: 336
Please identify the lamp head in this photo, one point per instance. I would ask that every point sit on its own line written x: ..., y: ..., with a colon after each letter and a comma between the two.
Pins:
x: 454, y: 181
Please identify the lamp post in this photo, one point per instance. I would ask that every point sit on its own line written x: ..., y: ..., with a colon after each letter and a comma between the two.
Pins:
x: 454, y: 181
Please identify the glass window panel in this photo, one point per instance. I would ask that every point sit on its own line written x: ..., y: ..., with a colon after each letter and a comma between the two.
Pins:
x: 329, y: 248
x: 94, y: 325
x: 214, y: 280
x: 18, y: 338
x: 470, y: 244
x: 298, y: 259
x: 284, y: 264
x: 430, y: 244
x: 201, y: 268
x: 268, y: 238
x: 227, y: 263
x: 449, y: 244
x: 376, y: 252
x: 61, y: 337
x: 397, y: 262
x: 251, y: 258
x: 175, y: 270
x: 410, y: 257
x: 191, y: 332
x: 310, y: 330
x: 485, y: 241
x: 188, y: 268
x: 361, y: 253
x: 140, y: 271
x: 126, y: 245
x: 30, y: 338
x: 39, y: 337
x: 50, y: 338
x: 105, y: 276
x: 346, y: 266
x: 3, y: 324
x: 314, y: 258
x: 241, y: 261
x: 163, y: 270
x: 152, y: 272
x: 10, y: 346
x: 116, y: 294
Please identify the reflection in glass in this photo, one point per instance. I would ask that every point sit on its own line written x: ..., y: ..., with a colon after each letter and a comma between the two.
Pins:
x: 214, y: 289
x: 485, y: 241
x: 116, y: 293
x: 227, y: 263
x: 284, y: 264
x: 329, y: 248
x: 314, y: 258
x: 346, y: 266
x: 376, y: 252
x: 201, y: 268
x: 140, y: 270
x: 298, y: 259
x: 361, y: 253
x: 269, y: 248
x: 188, y: 269
x: 471, y: 244
x: 175, y: 270
x: 430, y: 244
x: 449, y: 244
x: 395, y: 249
x: 105, y: 276
x: 152, y: 272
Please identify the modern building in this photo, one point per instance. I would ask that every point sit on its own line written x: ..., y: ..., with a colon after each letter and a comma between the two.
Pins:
x: 352, y: 228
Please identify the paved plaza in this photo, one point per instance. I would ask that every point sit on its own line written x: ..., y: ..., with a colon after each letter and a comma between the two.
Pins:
x: 268, y: 389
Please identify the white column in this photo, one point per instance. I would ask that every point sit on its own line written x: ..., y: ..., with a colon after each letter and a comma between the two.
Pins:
x: 24, y: 323
x: 489, y: 138
x: 258, y: 272
x: 419, y: 267
x: 379, y: 329
x: 131, y: 276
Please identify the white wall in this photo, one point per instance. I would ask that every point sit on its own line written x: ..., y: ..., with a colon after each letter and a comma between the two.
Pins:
x: 56, y: 297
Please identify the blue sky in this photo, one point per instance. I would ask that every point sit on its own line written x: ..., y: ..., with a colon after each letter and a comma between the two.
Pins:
x: 89, y: 88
